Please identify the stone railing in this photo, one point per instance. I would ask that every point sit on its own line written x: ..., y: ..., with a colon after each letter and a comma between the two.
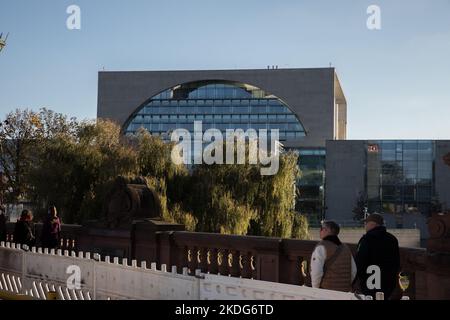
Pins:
x: 260, y: 258
x: 39, y: 272
x: 267, y: 259
x: 70, y: 234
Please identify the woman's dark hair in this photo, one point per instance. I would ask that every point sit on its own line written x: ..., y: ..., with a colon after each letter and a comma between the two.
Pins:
x: 51, y: 210
x: 26, y: 214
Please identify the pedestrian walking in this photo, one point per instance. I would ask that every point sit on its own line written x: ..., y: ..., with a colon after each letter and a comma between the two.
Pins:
x: 332, y: 263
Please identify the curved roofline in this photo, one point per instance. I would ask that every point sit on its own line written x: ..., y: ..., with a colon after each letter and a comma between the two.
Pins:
x: 142, y: 105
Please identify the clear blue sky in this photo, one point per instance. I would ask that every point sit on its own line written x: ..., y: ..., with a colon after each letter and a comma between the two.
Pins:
x: 396, y: 80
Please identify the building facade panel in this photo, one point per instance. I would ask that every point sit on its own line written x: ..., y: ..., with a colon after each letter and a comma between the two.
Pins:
x: 309, y: 93
x: 345, y: 178
x: 402, y: 179
x: 442, y: 173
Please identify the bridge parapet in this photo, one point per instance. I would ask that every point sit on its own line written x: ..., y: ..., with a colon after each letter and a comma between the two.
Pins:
x: 36, y: 273
x: 260, y: 258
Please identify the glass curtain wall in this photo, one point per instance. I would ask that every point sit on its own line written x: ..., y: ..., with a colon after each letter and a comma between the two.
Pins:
x: 400, y: 176
x: 218, y: 104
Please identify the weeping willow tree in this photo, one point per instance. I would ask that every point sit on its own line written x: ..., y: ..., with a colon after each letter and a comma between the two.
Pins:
x: 275, y: 202
x: 167, y: 178
x: 237, y: 199
x: 74, y: 163
x: 75, y: 170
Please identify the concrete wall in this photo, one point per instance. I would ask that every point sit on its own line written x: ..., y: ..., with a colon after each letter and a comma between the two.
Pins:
x: 310, y: 93
x: 442, y: 170
x: 101, y: 280
x: 345, y: 178
x: 215, y: 287
x: 341, y: 104
x: 407, y: 238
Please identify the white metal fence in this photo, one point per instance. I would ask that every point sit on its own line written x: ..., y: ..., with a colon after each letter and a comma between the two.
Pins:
x: 37, y: 272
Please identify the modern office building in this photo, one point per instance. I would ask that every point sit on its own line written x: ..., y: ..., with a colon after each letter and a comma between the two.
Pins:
x: 403, y: 179
x: 306, y: 105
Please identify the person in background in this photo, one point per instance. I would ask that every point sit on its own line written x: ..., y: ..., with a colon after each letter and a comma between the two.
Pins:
x: 24, y: 230
x: 51, y: 230
x: 332, y: 264
x: 2, y: 208
x: 378, y: 248
x: 2, y: 223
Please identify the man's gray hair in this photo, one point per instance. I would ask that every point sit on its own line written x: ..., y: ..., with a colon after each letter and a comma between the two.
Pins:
x: 332, y: 226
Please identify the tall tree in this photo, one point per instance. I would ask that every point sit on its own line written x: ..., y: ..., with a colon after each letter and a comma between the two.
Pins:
x: 237, y: 199
x: 75, y: 171
x: 167, y: 178
x: 21, y: 133
x: 276, y: 201
x: 71, y: 164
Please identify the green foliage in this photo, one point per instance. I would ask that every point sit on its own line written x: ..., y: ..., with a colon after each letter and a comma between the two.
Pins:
x: 154, y: 157
x: 221, y: 197
x: 74, y: 170
x: 171, y: 211
x: 232, y: 217
x: 236, y: 199
x: 300, y: 228
x: 21, y: 134
x: 73, y: 164
x: 277, y: 199
x: 176, y: 214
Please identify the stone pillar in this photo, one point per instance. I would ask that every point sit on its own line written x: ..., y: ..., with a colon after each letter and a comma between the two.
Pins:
x: 149, y: 245
x: 438, y: 258
x: 268, y: 260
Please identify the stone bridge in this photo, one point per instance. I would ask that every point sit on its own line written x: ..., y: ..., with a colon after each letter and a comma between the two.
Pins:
x: 249, y: 263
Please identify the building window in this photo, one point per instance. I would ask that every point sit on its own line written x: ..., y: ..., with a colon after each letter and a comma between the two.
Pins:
x: 310, y: 195
x: 221, y: 104
x: 400, y: 176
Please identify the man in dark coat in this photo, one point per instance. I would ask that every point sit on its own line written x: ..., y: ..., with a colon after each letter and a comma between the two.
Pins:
x: 378, y: 248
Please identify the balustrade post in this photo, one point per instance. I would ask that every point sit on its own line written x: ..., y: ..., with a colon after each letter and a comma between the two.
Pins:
x: 201, y: 256
x: 268, y: 261
x: 437, y: 274
x: 222, y: 261
x: 192, y: 259
x: 213, y: 266
x: 245, y: 264
x: 234, y: 267
x: 291, y: 270
x: 149, y: 242
x: 164, y: 240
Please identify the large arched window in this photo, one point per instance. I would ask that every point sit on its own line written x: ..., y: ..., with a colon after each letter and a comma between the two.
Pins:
x: 218, y: 104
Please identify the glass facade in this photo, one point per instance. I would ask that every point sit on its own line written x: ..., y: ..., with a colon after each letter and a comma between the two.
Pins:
x: 218, y: 104
x: 310, y: 199
x: 400, y: 176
